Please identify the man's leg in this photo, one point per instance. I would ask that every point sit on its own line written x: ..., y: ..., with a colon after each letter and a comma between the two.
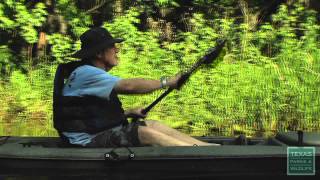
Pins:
x: 156, y: 125
x: 149, y: 136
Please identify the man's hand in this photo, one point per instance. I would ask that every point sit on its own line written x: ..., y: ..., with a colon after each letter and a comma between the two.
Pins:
x: 135, y: 113
x: 173, y: 82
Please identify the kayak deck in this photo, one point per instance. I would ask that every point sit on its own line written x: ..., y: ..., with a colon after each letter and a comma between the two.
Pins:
x: 45, y: 148
x: 43, y: 156
x: 50, y: 148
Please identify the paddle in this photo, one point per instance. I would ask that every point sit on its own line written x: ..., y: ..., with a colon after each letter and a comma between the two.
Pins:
x: 209, y: 58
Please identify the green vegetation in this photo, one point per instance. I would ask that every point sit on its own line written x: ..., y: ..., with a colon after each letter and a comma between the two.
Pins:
x: 267, y: 80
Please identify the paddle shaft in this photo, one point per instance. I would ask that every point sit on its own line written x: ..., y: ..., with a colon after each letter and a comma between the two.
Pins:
x: 185, y: 76
x: 163, y: 95
x: 207, y: 59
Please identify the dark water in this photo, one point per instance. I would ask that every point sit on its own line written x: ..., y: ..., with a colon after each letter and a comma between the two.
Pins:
x: 54, y: 178
x: 73, y: 178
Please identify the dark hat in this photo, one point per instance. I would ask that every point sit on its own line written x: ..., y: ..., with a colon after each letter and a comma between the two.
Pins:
x: 94, y: 40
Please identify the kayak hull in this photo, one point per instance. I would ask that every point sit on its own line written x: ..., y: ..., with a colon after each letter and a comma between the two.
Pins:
x: 271, y: 166
x: 42, y: 156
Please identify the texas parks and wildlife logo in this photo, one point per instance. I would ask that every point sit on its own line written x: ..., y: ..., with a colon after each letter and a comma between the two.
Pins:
x: 301, y: 161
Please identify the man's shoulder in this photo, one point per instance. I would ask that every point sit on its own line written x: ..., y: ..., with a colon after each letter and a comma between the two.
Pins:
x: 92, y: 73
x: 89, y: 69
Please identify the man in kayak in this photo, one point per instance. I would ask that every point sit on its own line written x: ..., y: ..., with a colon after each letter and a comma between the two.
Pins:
x: 108, y: 126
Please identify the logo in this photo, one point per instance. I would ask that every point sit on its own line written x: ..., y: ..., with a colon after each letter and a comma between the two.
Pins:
x: 301, y: 161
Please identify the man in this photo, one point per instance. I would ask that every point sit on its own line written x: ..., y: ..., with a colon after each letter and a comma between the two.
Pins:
x: 95, y: 117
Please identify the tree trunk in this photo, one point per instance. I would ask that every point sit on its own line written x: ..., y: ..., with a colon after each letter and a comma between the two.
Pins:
x: 118, y: 8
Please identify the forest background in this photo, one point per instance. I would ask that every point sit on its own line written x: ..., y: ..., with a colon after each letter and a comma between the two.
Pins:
x: 267, y: 79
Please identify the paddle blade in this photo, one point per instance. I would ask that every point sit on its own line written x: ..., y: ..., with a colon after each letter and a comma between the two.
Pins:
x: 213, y: 53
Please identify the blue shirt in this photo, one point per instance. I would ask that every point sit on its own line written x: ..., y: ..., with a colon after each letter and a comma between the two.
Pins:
x: 87, y: 80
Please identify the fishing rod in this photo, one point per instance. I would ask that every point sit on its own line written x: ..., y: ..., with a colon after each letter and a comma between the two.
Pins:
x: 208, y: 58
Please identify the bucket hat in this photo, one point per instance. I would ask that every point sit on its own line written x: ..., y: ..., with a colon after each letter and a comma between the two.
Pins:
x: 94, y: 40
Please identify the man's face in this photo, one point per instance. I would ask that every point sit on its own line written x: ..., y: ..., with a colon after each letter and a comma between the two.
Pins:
x: 109, y: 56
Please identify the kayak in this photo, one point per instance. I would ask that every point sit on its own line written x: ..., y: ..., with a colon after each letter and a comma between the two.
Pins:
x: 237, y: 156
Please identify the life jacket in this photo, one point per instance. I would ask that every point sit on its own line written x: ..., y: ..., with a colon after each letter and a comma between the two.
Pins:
x: 90, y: 114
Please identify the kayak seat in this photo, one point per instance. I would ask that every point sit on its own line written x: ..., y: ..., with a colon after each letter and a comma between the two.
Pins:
x: 241, y: 140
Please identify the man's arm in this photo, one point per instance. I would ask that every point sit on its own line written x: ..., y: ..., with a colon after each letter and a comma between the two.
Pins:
x: 143, y: 86
x: 137, y: 86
